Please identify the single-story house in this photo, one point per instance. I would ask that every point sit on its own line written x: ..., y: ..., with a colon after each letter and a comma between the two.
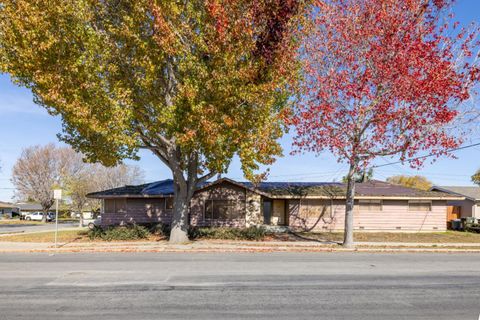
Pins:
x: 27, y: 207
x: 312, y: 206
x: 468, y: 207
x: 8, y: 209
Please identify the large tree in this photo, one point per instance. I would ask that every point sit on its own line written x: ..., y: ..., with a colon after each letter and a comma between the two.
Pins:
x: 37, y: 172
x: 196, y: 81
x: 419, y: 182
x: 41, y: 169
x: 381, y: 79
x: 80, y: 178
x: 476, y: 177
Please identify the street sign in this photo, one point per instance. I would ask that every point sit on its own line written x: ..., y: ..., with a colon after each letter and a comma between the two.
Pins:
x: 57, y: 194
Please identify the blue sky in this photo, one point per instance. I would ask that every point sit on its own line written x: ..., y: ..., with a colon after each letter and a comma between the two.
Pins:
x: 22, y: 124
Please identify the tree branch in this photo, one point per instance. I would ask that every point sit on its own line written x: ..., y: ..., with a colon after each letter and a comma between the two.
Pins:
x: 206, y: 177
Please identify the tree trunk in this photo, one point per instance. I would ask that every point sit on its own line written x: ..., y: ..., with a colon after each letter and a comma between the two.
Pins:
x: 349, y: 203
x: 44, y: 217
x: 181, y: 204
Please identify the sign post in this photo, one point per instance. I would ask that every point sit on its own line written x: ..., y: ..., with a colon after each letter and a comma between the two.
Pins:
x: 57, y: 195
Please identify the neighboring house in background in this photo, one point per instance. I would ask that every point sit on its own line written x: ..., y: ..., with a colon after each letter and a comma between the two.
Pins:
x: 8, y: 209
x: 469, y: 207
x: 26, y: 207
x: 304, y: 206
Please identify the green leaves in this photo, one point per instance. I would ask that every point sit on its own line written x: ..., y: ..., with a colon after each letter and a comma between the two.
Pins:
x: 199, y: 77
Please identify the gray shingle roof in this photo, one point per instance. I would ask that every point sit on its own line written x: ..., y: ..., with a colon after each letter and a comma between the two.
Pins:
x: 128, y: 190
x: 469, y: 192
x: 6, y: 205
x: 373, y: 188
x: 28, y: 206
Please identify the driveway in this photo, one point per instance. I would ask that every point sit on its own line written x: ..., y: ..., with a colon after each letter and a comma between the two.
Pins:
x: 240, y: 286
x: 25, y: 227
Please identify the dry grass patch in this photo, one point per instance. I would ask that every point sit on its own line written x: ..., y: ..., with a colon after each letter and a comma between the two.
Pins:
x: 424, y: 237
x: 19, y: 222
x: 63, y: 236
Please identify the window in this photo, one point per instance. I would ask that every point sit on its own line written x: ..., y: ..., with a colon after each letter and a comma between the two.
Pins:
x: 121, y: 205
x: 222, y: 209
x: 370, y: 205
x: 314, y: 208
x: 418, y: 205
x: 169, y: 203
x: 115, y: 206
x: 109, y: 206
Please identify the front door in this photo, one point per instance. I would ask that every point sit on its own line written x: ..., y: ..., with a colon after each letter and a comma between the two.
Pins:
x: 278, y: 216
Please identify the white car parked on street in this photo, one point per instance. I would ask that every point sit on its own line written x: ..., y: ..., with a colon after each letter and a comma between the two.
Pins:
x: 38, y: 216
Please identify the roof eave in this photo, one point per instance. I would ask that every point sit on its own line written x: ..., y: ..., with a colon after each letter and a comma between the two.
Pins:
x: 453, y: 192
x: 366, y: 197
x: 139, y: 196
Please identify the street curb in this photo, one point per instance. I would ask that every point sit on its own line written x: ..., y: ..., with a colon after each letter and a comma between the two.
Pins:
x: 231, y: 249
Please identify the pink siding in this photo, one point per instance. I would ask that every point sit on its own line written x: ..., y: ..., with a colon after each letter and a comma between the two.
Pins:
x: 395, y: 216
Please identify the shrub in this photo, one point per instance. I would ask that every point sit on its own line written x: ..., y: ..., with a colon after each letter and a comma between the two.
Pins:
x: 159, y: 229
x: 475, y: 227
x: 135, y: 232
x: 223, y: 233
x: 131, y: 232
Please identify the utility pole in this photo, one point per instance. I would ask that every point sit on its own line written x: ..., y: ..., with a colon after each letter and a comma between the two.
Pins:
x: 57, y: 195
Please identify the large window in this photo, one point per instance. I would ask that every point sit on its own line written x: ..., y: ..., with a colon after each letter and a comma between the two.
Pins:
x: 418, y: 205
x: 222, y: 209
x: 370, y: 205
x: 115, y: 205
x: 314, y: 208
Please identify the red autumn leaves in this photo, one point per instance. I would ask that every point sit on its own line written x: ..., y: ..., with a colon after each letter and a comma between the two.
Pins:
x: 381, y: 78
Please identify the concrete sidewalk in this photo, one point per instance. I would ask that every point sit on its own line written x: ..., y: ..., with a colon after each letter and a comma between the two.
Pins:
x: 234, y: 246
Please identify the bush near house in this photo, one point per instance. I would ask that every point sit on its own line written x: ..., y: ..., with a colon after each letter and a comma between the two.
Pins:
x: 251, y: 233
x: 473, y: 228
x: 131, y: 232
x: 137, y: 232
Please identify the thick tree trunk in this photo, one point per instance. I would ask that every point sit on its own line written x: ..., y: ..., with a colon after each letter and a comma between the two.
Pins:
x: 349, y: 204
x: 180, y: 223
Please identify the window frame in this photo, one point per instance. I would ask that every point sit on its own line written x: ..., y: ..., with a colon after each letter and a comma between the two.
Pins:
x: 168, y: 206
x: 429, y: 202
x: 369, y: 202
x: 306, y: 204
x: 211, y: 215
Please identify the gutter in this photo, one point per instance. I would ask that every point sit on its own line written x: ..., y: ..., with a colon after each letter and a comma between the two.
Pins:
x: 136, y: 196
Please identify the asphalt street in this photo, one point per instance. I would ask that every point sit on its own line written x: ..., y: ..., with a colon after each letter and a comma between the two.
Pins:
x: 25, y: 227
x: 240, y: 286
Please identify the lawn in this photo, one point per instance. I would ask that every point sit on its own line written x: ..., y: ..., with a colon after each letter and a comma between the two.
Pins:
x: 18, y: 221
x: 434, y: 237
x: 63, y: 236
x: 437, y: 237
